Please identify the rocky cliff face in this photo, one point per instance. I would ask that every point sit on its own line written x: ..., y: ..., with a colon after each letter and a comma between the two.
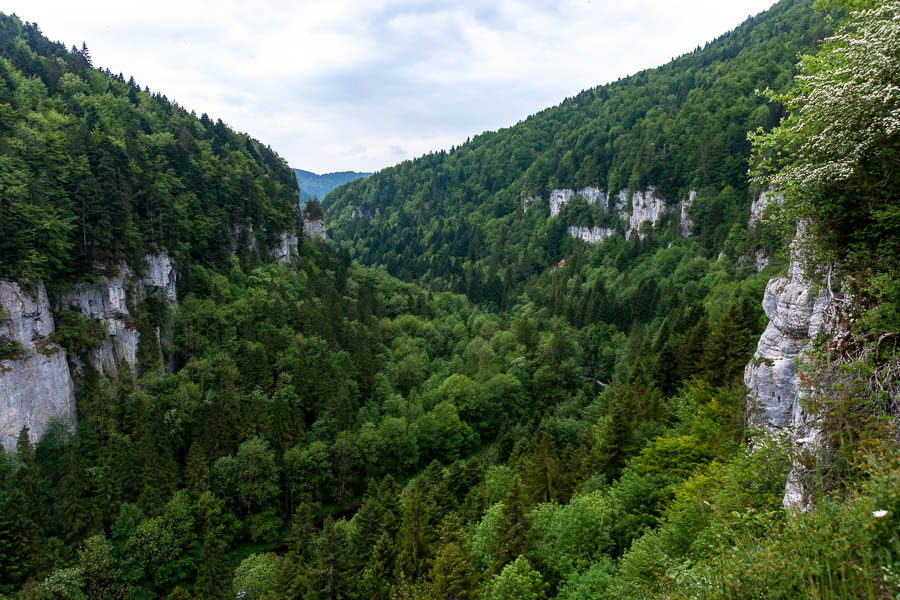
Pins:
x: 686, y: 222
x: 758, y: 206
x: 287, y: 246
x: 314, y: 230
x: 591, y: 235
x: 561, y: 197
x: 36, y: 386
x: 646, y: 207
x: 797, y: 312
x: 107, y: 302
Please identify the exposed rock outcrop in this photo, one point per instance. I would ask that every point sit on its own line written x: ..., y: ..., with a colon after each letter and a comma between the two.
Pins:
x: 106, y: 301
x: 591, y: 235
x: 761, y: 260
x: 242, y: 236
x: 286, y: 248
x: 686, y: 222
x: 796, y: 309
x: 161, y: 274
x: 37, y: 386
x: 313, y: 229
x: 646, y: 206
x: 759, y: 205
x: 527, y: 201
x: 559, y: 198
x: 795, y: 312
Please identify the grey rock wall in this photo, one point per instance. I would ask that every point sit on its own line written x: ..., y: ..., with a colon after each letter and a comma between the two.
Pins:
x: 797, y: 307
x: 686, y: 222
x: 646, y: 206
x: 591, y: 235
x: 759, y: 205
x: 287, y: 247
x: 795, y: 310
x: 313, y: 230
x: 37, y: 387
x: 559, y: 198
x: 105, y: 302
x: 161, y: 274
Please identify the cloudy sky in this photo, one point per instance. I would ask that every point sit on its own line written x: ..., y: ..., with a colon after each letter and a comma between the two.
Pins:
x: 337, y: 85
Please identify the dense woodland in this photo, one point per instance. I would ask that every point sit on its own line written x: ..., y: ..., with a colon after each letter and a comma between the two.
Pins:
x: 96, y: 171
x: 454, y: 218
x: 423, y: 407
x: 314, y: 186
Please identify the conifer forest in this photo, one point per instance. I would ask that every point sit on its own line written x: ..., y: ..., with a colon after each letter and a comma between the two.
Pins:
x: 642, y: 344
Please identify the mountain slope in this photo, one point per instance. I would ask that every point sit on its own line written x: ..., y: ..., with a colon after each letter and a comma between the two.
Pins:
x: 678, y: 127
x: 96, y: 171
x: 313, y: 185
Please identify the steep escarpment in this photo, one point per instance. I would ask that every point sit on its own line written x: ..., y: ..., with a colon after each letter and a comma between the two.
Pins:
x: 107, y: 302
x: 112, y: 194
x: 36, y: 377
x: 35, y: 383
x: 795, y: 305
x: 637, y: 211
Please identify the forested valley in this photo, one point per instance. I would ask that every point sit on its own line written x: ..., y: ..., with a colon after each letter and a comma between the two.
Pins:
x: 454, y: 396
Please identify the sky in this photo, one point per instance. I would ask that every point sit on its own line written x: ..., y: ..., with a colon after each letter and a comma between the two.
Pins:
x: 338, y: 85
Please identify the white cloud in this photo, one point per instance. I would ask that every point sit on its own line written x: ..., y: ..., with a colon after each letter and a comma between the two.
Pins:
x: 341, y: 85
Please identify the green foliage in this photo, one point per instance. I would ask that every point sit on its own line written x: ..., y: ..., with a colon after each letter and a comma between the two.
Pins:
x: 454, y: 219
x: 517, y: 580
x: 97, y: 171
x: 575, y: 432
x: 11, y: 349
x: 77, y: 333
x: 834, y: 156
x: 255, y: 577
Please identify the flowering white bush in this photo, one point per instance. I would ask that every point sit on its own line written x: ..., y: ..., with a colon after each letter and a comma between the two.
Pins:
x: 843, y: 109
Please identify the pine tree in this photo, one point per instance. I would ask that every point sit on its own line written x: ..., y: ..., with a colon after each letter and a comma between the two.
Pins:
x: 14, y: 563
x: 73, y: 505
x: 513, y: 530
x: 30, y: 499
x: 414, y: 539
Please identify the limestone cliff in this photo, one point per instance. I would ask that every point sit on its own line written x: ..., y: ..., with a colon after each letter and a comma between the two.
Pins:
x: 687, y: 223
x: 646, y: 207
x: 107, y: 300
x: 286, y: 248
x: 591, y: 235
x: 636, y: 209
x: 797, y: 310
x: 36, y: 386
x: 759, y: 205
x: 314, y: 229
x: 559, y: 198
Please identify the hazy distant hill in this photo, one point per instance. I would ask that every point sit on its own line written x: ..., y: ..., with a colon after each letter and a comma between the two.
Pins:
x: 313, y: 185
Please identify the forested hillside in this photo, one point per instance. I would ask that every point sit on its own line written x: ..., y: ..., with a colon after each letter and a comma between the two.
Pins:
x: 453, y: 398
x: 313, y: 185
x: 97, y: 171
x: 455, y: 217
